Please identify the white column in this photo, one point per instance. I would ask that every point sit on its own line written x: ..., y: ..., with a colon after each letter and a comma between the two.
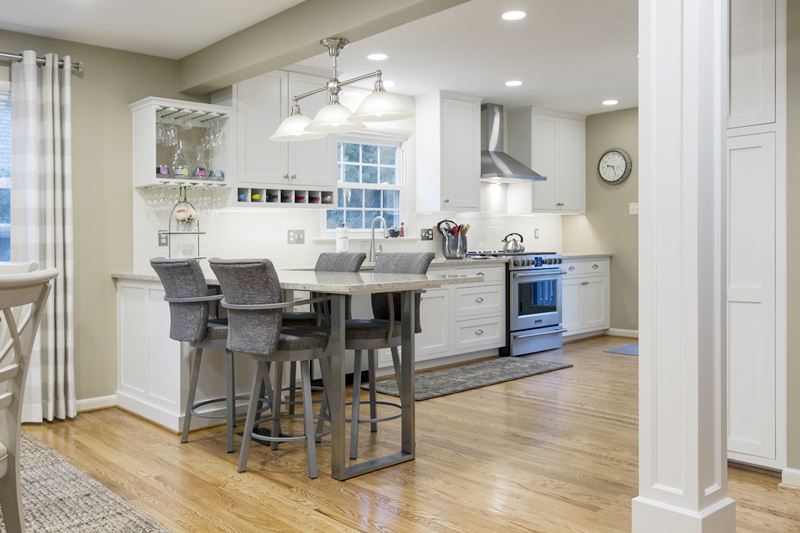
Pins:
x: 682, y: 384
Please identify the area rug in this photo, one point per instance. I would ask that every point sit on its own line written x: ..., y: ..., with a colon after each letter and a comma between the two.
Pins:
x: 628, y: 349
x: 58, y: 498
x: 466, y: 377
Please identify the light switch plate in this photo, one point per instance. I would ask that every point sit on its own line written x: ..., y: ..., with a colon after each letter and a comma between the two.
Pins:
x: 633, y: 208
x: 296, y: 236
x: 426, y: 234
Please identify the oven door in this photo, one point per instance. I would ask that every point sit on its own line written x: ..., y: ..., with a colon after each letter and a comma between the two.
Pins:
x: 534, y: 299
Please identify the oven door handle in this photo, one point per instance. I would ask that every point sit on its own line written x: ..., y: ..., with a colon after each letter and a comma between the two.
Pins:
x: 517, y: 337
x: 532, y: 274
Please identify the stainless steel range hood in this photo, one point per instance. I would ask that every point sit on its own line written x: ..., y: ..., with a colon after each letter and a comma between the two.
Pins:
x: 496, y: 165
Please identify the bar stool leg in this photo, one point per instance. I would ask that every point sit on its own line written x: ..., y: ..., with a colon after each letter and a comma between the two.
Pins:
x: 258, y: 380
x: 187, y: 414
x: 373, y: 407
x: 276, y: 404
x: 324, y: 410
x: 230, y: 401
x: 356, y: 405
x: 292, y: 386
x: 396, y: 365
x: 308, y: 418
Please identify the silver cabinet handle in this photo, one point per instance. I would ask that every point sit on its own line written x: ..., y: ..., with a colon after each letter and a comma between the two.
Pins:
x: 585, y: 283
x: 516, y: 337
x: 478, y: 332
x: 286, y: 176
x: 446, y: 200
x: 478, y: 300
x: 572, y: 268
x: 595, y: 266
x: 294, y: 176
x: 480, y: 274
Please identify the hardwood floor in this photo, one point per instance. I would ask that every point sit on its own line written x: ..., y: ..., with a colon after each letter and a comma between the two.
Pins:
x: 551, y: 453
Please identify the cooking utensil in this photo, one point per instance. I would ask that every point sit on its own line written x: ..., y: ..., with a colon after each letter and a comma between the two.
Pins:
x: 513, y: 245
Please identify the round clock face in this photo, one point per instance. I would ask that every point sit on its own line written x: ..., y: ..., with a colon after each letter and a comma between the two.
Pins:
x: 615, y: 166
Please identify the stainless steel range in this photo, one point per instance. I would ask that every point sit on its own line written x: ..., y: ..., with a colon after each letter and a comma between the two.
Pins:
x: 533, y: 316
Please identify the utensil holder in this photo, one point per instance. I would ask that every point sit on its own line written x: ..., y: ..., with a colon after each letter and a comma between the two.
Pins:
x: 454, y: 246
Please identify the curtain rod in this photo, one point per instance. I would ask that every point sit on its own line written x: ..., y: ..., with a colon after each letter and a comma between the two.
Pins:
x: 76, y: 65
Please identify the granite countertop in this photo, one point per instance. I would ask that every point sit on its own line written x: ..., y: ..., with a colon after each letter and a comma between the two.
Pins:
x: 577, y: 257
x: 441, y: 262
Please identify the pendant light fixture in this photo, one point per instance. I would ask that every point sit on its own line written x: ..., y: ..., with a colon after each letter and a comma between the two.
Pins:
x: 378, y: 106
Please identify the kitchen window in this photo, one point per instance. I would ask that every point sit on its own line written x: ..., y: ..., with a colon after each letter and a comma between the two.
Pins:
x: 371, y: 183
x: 5, y: 173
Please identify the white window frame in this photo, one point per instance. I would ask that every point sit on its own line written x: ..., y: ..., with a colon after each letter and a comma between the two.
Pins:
x: 402, y: 176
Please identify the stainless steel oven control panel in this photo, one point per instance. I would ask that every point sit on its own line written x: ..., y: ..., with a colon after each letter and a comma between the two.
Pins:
x: 528, y: 262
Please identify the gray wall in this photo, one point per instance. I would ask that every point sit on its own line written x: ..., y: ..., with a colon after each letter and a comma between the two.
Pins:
x: 607, y: 227
x: 103, y: 201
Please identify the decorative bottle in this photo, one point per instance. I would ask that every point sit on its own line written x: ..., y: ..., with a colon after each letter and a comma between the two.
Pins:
x: 402, y: 229
x: 180, y: 163
x: 342, y: 242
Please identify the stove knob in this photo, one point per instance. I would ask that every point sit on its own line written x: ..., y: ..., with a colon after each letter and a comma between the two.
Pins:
x: 516, y: 262
x: 559, y: 260
x: 547, y: 261
x: 527, y: 262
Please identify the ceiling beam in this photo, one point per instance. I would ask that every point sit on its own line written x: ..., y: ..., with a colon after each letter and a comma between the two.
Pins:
x: 292, y: 36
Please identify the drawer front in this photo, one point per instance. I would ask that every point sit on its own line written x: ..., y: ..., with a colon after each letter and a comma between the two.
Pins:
x: 480, y: 333
x: 480, y: 300
x: 578, y: 268
x: 490, y: 273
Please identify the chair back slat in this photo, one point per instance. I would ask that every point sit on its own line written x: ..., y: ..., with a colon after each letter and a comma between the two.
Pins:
x: 5, y: 400
x: 250, y: 282
x: 9, y: 372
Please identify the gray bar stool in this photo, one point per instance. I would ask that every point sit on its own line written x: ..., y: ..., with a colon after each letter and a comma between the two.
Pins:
x: 382, y: 331
x: 187, y: 293
x: 253, y: 299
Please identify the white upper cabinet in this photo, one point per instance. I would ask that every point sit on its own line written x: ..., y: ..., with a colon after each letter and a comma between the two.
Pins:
x: 263, y: 102
x: 448, y: 152
x: 752, y: 63
x: 554, y: 145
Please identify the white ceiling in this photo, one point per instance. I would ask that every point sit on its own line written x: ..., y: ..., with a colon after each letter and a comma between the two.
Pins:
x: 570, y: 54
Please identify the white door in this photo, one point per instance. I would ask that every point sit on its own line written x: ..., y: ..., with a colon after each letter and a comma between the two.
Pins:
x: 571, y: 305
x: 461, y: 122
x: 594, y: 303
x: 545, y: 161
x: 311, y: 163
x: 262, y: 104
x: 751, y: 295
x: 571, y: 184
x: 434, y: 313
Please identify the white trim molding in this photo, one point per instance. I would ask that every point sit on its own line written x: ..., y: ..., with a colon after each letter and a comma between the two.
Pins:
x: 683, y: 88
x: 100, y: 402
x: 791, y: 477
x: 616, y: 332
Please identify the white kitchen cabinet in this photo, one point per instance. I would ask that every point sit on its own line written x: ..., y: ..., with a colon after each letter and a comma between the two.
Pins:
x: 271, y: 172
x: 585, y: 296
x: 554, y: 145
x: 448, y: 152
x: 148, y: 154
x: 434, y: 340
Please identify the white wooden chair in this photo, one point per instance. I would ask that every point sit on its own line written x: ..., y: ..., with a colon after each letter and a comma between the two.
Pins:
x: 23, y: 292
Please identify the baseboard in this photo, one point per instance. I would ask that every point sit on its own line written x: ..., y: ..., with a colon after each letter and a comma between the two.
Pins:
x: 100, y: 402
x: 632, y: 333
x: 791, y: 477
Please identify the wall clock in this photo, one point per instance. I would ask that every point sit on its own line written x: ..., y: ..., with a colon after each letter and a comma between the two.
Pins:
x: 614, y: 166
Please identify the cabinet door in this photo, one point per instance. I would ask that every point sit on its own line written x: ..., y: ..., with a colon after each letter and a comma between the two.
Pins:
x: 571, y: 305
x: 545, y: 161
x: 571, y: 166
x: 435, y: 315
x: 594, y: 303
x: 751, y: 295
x: 752, y: 63
x: 311, y: 163
x: 461, y: 172
x: 262, y: 103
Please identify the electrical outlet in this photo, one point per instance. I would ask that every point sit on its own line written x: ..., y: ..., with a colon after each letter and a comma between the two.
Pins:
x: 296, y: 236
x: 426, y: 234
x: 633, y: 208
x: 163, y: 238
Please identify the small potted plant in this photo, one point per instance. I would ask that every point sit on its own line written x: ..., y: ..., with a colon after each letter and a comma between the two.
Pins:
x: 394, y: 231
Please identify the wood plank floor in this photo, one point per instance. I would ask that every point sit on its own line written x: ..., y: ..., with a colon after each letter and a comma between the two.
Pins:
x: 551, y: 453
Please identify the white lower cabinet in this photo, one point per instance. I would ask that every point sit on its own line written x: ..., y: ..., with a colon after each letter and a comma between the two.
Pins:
x: 585, y: 296
x: 434, y: 339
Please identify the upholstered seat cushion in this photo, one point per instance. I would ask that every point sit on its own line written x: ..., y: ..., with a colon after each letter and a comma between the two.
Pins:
x: 217, y: 328
x: 300, y: 318
x: 302, y: 338
x: 369, y: 329
x: 3, y: 460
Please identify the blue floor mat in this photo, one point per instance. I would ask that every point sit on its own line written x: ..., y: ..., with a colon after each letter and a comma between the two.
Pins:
x: 629, y: 349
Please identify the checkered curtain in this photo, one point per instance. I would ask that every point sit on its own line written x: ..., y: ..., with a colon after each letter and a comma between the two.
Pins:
x: 41, y: 222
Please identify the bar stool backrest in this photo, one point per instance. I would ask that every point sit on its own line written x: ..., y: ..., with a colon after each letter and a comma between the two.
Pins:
x: 399, y: 263
x: 183, y: 278
x: 341, y: 262
x: 250, y: 282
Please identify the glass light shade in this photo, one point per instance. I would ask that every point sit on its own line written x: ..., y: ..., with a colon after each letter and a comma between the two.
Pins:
x: 380, y: 106
x: 293, y: 128
x: 333, y: 118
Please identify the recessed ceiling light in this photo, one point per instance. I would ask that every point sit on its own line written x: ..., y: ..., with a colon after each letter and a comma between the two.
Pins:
x: 388, y: 84
x: 377, y: 57
x: 610, y: 102
x: 514, y: 83
x: 514, y: 15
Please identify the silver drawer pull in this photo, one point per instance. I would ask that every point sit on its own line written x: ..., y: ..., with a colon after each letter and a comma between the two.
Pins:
x: 585, y: 283
x: 478, y: 332
x: 595, y: 266
x: 572, y: 268
x: 517, y: 337
x: 481, y: 274
x: 478, y: 300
